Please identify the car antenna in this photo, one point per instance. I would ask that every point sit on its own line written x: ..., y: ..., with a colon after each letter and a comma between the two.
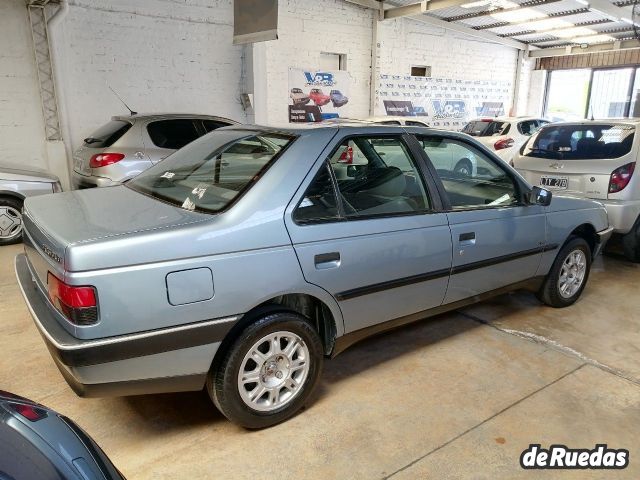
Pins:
x: 118, y: 97
x: 591, y: 110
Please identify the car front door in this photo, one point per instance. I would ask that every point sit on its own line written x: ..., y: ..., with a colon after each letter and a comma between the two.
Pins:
x: 498, y: 238
x: 366, y: 227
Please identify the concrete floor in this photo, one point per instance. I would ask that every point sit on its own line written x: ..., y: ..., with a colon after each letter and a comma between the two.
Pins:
x: 458, y: 396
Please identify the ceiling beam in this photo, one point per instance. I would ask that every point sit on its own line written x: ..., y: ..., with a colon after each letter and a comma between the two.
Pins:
x: 373, y: 4
x: 456, y: 27
x: 608, y: 9
x: 577, y: 49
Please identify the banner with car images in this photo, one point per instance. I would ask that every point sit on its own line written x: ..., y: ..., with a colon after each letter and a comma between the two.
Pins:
x: 442, y: 102
x: 316, y: 95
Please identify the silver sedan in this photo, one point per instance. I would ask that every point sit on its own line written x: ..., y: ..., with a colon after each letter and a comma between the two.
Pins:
x: 16, y: 184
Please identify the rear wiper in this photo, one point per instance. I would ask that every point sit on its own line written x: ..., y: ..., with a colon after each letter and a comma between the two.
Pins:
x: 91, y: 140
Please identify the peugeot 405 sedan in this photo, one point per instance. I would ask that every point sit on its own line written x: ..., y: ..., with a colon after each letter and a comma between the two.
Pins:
x: 127, y: 145
x: 591, y: 159
x: 244, y: 259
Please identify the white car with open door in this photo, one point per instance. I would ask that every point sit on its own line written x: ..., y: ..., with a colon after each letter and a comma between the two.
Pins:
x: 503, y: 135
x: 592, y: 159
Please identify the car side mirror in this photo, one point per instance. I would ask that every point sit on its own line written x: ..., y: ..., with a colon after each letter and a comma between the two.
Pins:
x: 540, y: 196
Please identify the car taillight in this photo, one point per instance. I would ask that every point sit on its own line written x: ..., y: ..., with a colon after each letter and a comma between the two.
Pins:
x: 620, y: 177
x: 504, y: 143
x: 104, y: 159
x: 77, y: 304
x: 346, y: 156
x: 31, y: 413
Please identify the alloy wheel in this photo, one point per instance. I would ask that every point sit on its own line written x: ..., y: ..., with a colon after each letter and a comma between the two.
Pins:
x: 10, y: 222
x: 572, y: 273
x: 273, y: 371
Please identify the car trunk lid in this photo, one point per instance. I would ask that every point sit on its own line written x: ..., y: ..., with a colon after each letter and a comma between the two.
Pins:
x: 54, y: 223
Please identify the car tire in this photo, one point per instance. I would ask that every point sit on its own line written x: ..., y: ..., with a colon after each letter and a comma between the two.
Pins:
x: 568, y: 275
x: 464, y: 167
x: 269, y: 372
x: 631, y: 244
x: 11, y: 225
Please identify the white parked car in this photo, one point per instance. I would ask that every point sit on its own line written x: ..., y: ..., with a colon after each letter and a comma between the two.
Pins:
x: 592, y: 159
x: 399, y: 120
x: 504, y: 135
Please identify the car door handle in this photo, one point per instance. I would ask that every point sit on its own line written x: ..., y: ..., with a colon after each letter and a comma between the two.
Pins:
x: 468, y: 238
x: 327, y: 260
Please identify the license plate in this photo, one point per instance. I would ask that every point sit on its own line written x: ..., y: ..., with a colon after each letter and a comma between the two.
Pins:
x: 555, y: 182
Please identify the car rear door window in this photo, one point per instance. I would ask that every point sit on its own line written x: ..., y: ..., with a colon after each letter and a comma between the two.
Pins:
x: 482, y: 183
x: 486, y: 128
x: 172, y: 134
x: 210, y: 125
x: 108, y: 134
x: 581, y: 141
x: 527, y: 127
x: 319, y: 202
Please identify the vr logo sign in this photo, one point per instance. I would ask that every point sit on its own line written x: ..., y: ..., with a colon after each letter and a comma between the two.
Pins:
x: 449, y: 108
x: 319, y: 78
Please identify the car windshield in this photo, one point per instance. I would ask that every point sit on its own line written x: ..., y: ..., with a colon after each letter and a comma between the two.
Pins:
x: 210, y: 173
x: 580, y: 142
x: 486, y: 128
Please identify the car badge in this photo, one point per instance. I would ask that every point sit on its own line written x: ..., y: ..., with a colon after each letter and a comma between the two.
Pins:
x: 557, y: 166
x: 51, y: 254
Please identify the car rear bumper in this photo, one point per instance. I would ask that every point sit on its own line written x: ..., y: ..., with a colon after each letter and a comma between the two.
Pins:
x: 164, y: 360
x: 622, y: 214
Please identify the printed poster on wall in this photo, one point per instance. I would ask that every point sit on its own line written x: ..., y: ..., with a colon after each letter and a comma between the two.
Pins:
x: 442, y: 102
x: 316, y: 95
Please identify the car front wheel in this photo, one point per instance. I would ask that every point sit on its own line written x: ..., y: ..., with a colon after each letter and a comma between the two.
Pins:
x: 568, y: 275
x: 10, y: 220
x: 269, y: 372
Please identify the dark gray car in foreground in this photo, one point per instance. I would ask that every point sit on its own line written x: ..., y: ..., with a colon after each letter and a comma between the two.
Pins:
x: 37, y: 443
x: 245, y: 258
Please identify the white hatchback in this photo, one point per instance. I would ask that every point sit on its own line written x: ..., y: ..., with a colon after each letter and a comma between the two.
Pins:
x: 504, y: 135
x: 592, y: 159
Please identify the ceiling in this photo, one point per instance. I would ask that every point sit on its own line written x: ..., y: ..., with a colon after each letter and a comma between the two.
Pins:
x: 533, y: 24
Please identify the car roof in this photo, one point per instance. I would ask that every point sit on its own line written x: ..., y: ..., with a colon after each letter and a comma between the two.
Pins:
x: 507, y: 119
x: 626, y: 121
x: 398, y: 118
x: 169, y: 116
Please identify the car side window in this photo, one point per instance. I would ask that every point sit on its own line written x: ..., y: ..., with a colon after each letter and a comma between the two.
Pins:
x: 173, y: 134
x: 319, y: 201
x: 377, y: 176
x: 470, y: 178
x: 528, y: 127
x: 414, y: 123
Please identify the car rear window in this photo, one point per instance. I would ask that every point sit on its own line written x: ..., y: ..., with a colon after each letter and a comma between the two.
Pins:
x: 108, y: 134
x: 486, y: 128
x: 172, y: 134
x: 581, y: 142
x: 210, y: 173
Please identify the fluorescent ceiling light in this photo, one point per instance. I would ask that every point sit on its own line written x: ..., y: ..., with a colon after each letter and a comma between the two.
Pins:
x: 572, y: 32
x: 593, y: 39
x: 519, y: 15
x: 492, y: 4
x: 548, y: 24
x: 583, y: 2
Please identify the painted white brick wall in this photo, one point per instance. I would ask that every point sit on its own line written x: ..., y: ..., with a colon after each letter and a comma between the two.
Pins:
x: 21, y: 125
x: 305, y: 29
x: 159, y: 55
x: 406, y: 42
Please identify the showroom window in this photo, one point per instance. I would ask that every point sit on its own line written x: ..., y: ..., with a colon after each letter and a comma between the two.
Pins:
x: 585, y: 93
x: 470, y: 179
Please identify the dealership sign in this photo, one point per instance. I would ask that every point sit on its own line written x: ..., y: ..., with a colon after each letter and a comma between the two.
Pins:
x: 446, y: 102
x: 316, y: 95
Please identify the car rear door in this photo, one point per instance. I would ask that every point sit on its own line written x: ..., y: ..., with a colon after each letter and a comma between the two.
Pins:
x: 578, y: 159
x: 370, y: 232
x: 497, y: 239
